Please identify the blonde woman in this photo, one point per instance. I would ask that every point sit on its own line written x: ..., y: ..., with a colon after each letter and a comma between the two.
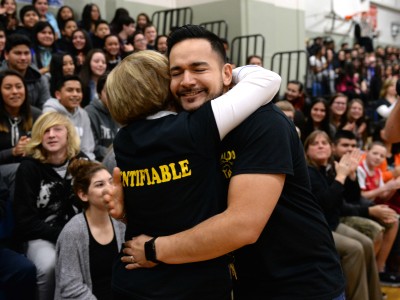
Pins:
x: 44, y: 201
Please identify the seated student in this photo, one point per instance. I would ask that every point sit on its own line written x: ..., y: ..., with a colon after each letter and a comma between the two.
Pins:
x: 354, y: 120
x: 44, y: 201
x: 17, y: 273
x: 94, y: 66
x: 3, y: 38
x: 61, y: 65
x: 64, y: 44
x: 355, y: 249
x: 68, y: 99
x: 101, y: 30
x: 161, y: 44
x: 16, y: 119
x: 90, y: 241
x: 318, y: 119
x: 29, y: 17
x: 371, y: 180
x: 64, y: 14
x: 288, y: 110
x: 43, y: 46
x: 150, y: 33
x: 254, y: 60
x: 125, y: 30
x: 360, y: 213
x: 8, y: 15
x: 295, y: 95
x: 112, y: 51
x: 17, y: 116
x: 119, y: 13
x: 103, y: 126
x: 139, y: 41
x: 42, y: 7
x: 90, y: 15
x: 81, y: 45
x: 18, y: 58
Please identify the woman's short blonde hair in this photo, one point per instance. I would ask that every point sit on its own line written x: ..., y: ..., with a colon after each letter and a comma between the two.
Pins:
x: 35, y: 149
x: 138, y: 86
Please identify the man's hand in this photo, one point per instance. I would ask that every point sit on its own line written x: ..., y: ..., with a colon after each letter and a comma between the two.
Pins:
x: 134, y: 253
x: 383, y: 213
x: 113, y: 198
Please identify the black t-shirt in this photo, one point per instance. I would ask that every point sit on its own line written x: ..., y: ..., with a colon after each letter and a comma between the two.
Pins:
x: 101, y: 261
x: 295, y: 256
x: 171, y: 177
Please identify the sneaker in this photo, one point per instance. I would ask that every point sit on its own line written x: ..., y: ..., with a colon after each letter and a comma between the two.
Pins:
x: 391, y: 279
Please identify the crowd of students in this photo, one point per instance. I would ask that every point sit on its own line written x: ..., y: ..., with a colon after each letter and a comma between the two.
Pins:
x: 52, y: 94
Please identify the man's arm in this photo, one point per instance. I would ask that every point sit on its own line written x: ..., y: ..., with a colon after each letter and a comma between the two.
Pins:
x: 251, y: 200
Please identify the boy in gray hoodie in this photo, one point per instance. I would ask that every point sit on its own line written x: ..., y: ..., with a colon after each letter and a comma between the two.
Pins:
x: 69, y: 96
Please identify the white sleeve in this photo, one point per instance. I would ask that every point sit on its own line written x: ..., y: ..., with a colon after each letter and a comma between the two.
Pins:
x: 384, y: 110
x: 255, y: 87
x: 361, y: 175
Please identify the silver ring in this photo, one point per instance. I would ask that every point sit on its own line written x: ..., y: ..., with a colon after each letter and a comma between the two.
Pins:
x: 132, y: 260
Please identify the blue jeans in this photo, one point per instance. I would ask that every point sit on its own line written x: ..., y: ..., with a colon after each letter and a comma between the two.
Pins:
x: 340, y: 297
x: 17, y: 276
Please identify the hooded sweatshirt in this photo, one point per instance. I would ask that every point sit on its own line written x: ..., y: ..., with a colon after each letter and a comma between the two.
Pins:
x: 81, y: 121
x: 103, y: 126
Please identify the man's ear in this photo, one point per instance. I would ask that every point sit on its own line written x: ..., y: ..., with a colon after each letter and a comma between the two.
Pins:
x: 58, y: 95
x: 227, y: 75
x: 6, y: 55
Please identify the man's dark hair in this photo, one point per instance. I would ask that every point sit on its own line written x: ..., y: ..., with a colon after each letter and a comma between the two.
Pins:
x: 196, y: 32
x: 15, y: 40
x: 64, y: 79
x: 343, y: 134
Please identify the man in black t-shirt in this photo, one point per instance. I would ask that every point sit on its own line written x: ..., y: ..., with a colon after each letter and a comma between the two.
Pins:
x: 264, y: 164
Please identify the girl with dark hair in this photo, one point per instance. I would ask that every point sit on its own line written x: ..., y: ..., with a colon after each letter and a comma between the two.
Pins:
x: 43, y: 46
x: 95, y: 66
x: 116, y: 20
x: 64, y: 44
x: 64, y: 13
x: 89, y: 243
x: 139, y: 41
x: 354, y: 121
x: 337, y: 109
x: 142, y: 20
x: 62, y: 64
x: 112, y: 51
x: 42, y: 7
x: 16, y: 117
x: 90, y: 15
x: 161, y: 44
x: 81, y: 45
x: 318, y: 119
x: 8, y: 11
x: 3, y: 39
